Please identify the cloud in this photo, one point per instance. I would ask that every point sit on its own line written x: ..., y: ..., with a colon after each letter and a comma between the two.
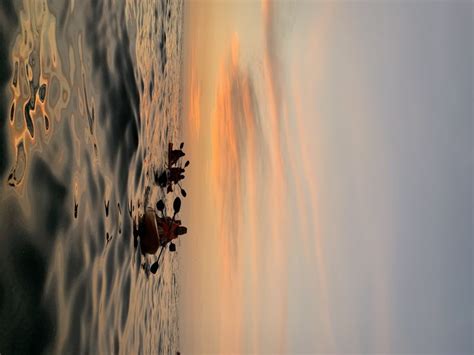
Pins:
x: 236, y: 141
x: 194, y: 94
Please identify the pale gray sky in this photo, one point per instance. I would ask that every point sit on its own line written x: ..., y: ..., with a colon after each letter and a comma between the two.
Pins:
x: 389, y: 126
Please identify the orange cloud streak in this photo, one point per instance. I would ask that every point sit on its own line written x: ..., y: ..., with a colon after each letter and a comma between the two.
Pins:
x: 194, y: 94
x: 243, y: 208
x: 226, y: 172
x: 308, y: 177
x: 278, y: 181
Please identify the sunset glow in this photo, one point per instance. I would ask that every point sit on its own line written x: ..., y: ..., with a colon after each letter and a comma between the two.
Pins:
x: 294, y: 250
x: 236, y: 177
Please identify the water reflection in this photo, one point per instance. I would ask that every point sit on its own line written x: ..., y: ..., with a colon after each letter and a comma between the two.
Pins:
x: 90, y: 99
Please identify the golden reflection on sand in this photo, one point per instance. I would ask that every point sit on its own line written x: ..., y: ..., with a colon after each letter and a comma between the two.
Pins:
x: 37, y: 69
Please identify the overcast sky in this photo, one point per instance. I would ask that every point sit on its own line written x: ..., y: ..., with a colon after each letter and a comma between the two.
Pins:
x: 330, y: 186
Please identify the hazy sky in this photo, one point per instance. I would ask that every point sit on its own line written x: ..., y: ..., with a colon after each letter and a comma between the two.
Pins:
x: 330, y: 191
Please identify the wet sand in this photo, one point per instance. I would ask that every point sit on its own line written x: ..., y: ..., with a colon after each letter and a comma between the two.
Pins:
x: 90, y: 97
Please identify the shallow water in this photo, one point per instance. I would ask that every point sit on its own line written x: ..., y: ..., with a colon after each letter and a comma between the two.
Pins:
x: 90, y: 97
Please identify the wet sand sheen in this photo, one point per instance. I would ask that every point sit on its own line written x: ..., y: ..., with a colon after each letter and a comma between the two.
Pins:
x: 90, y: 99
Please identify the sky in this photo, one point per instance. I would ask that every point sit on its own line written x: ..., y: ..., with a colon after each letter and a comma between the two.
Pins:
x: 330, y: 188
